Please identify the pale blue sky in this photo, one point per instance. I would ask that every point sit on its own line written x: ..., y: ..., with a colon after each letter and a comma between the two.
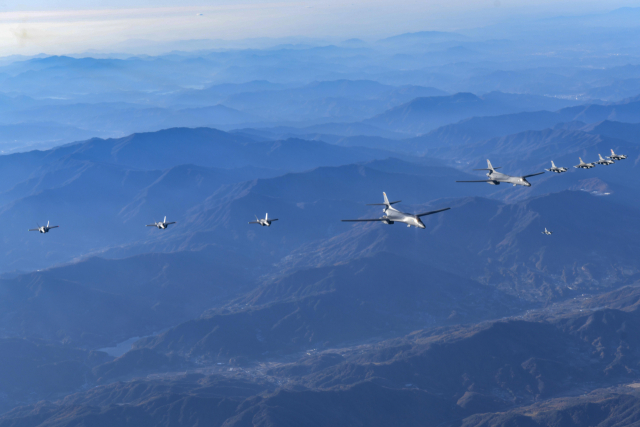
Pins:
x: 66, y: 26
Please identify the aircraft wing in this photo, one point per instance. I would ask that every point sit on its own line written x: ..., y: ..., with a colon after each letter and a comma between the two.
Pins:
x: 432, y: 212
x: 170, y: 222
x: 254, y: 222
x: 533, y: 174
x: 151, y: 225
x: 274, y: 219
x: 361, y: 220
x: 54, y: 226
x: 34, y: 229
x: 485, y: 180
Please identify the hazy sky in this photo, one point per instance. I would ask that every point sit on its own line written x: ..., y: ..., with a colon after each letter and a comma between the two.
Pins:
x: 67, y: 26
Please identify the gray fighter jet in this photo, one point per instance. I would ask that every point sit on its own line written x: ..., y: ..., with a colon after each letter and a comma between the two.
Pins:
x: 44, y: 228
x: 161, y: 225
x: 495, y: 178
x: 266, y: 222
x: 392, y: 215
x: 556, y: 169
x: 605, y: 162
x: 547, y: 232
x: 584, y: 165
x: 615, y: 156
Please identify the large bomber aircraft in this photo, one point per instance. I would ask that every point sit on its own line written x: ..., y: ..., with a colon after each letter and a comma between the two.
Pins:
x: 615, y: 156
x: 556, y: 169
x: 44, y: 228
x: 605, y: 162
x: 584, y: 165
x: 392, y: 215
x: 161, y: 225
x: 495, y: 178
x: 265, y: 222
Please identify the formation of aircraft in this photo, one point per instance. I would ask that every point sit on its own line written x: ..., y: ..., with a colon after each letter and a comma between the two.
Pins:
x: 392, y: 215
x: 44, y: 228
x: 556, y: 169
x: 266, y: 222
x: 495, y: 178
x: 163, y: 225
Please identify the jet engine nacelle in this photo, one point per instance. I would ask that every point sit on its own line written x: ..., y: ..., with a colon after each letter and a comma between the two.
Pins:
x: 386, y: 221
x: 494, y: 182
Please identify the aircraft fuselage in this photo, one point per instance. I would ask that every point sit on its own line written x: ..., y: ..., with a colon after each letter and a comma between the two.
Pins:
x: 496, y: 178
x: 393, y: 215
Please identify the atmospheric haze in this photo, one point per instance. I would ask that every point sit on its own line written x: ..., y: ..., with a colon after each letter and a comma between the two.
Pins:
x: 143, y: 143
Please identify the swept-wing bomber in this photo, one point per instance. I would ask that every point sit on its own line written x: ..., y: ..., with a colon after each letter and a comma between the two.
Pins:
x: 584, y: 165
x: 264, y: 222
x: 615, y: 156
x: 392, y: 215
x: 162, y: 225
x: 556, y: 169
x: 605, y: 162
x: 495, y: 178
x: 44, y: 228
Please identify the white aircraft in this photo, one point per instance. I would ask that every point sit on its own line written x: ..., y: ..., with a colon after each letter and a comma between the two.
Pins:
x: 547, y: 232
x: 605, y: 162
x: 44, y: 228
x: 584, y: 165
x: 161, y: 225
x: 556, y: 169
x: 615, y: 156
x: 266, y: 222
x: 495, y: 178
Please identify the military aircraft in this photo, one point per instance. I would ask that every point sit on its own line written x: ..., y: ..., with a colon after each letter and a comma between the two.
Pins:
x: 266, y: 222
x: 392, y: 215
x: 615, y: 156
x: 584, y: 165
x: 605, y: 162
x: 44, y: 228
x: 161, y: 225
x: 547, y: 232
x: 495, y: 178
x: 556, y: 169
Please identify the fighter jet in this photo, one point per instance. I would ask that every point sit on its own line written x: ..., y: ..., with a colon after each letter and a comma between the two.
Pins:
x: 392, y: 215
x: 495, y: 178
x: 547, y: 232
x: 44, y: 228
x: 605, y: 162
x: 556, y: 169
x: 161, y: 225
x: 584, y: 165
x: 266, y: 222
x: 615, y: 156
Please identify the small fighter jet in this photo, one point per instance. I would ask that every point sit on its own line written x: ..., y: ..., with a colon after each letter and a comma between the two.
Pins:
x: 547, y: 232
x: 556, y: 169
x: 161, y: 225
x: 495, y: 178
x: 392, y: 215
x: 266, y: 222
x: 605, y: 162
x: 44, y: 228
x: 584, y: 165
x: 615, y: 156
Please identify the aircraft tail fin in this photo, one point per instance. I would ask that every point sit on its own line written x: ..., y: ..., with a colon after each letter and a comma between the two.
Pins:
x: 386, y: 203
x: 600, y: 156
x: 553, y: 165
x: 266, y: 216
x: 47, y: 223
x: 580, y: 159
x: 386, y: 200
x: 489, y: 166
x: 612, y: 153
